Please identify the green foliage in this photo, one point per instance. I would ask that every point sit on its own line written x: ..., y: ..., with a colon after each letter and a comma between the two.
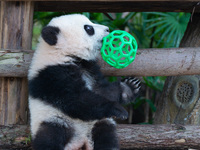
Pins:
x: 112, y: 79
x: 155, y: 83
x: 168, y: 27
x: 141, y: 100
x: 131, y: 22
x: 28, y: 139
x: 36, y: 33
x: 44, y: 17
x: 151, y: 29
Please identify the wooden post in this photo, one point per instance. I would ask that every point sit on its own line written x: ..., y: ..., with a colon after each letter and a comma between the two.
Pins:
x: 177, y: 106
x: 16, y: 20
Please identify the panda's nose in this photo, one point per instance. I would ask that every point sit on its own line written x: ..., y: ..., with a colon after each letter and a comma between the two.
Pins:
x: 107, y: 30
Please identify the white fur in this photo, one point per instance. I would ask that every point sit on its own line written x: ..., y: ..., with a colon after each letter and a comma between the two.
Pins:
x: 72, y: 40
x: 89, y: 81
x: 43, y: 112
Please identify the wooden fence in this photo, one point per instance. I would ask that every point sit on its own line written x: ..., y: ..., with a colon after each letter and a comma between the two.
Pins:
x: 16, y: 20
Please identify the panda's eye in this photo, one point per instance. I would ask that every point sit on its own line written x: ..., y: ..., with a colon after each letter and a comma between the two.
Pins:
x: 89, y: 29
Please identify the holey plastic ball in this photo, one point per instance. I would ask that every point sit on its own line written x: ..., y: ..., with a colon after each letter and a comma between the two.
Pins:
x: 119, y: 49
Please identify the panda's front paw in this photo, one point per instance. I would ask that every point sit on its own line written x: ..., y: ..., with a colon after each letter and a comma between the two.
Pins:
x: 117, y: 111
x: 130, y: 89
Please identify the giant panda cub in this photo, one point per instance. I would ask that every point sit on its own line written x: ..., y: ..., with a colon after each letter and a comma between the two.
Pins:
x: 71, y: 104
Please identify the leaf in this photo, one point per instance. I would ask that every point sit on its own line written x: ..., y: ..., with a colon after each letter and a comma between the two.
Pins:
x: 129, y: 16
x: 138, y: 102
x: 142, y: 100
x: 156, y: 24
x: 169, y: 27
x: 159, y: 29
x: 155, y: 83
x: 164, y: 34
x: 151, y: 105
x: 158, y: 13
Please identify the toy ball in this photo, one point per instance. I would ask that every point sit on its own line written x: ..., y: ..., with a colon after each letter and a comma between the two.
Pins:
x: 119, y: 49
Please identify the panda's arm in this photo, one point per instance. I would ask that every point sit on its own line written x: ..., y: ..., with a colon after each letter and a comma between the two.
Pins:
x: 90, y: 106
x: 123, y: 91
x: 62, y: 87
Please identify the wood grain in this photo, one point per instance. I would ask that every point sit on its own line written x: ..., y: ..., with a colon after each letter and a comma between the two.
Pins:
x: 148, y: 62
x: 167, y: 110
x: 16, y: 20
x: 118, y: 6
x: 158, y: 136
x: 111, y: 0
x: 159, y: 62
x: 131, y: 136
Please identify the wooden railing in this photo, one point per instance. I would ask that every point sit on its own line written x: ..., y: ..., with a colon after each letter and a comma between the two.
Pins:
x: 148, y: 62
x: 16, y: 19
x: 131, y: 136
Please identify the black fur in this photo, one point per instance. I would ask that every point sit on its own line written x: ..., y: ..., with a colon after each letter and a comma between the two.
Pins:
x: 63, y: 87
x: 104, y: 136
x: 111, y: 91
x: 52, y: 136
x: 49, y: 34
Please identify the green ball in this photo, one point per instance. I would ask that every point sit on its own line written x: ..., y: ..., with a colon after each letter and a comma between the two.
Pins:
x: 119, y: 49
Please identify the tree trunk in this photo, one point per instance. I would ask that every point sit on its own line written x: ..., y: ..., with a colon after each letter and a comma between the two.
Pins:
x: 16, y: 20
x: 180, y: 101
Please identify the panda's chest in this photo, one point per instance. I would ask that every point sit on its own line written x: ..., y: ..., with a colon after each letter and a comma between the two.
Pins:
x: 88, y: 79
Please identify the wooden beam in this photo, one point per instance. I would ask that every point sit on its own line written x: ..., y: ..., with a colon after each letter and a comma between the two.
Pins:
x: 148, y: 62
x: 131, y: 137
x: 107, y: 0
x: 158, y: 136
x: 15, y: 63
x: 160, y: 62
x: 118, y: 6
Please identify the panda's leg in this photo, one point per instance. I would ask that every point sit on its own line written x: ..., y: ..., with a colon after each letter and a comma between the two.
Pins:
x: 104, y: 135
x: 52, y: 136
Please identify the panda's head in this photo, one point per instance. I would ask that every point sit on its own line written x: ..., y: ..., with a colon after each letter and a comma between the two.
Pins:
x: 73, y: 35
x: 66, y: 36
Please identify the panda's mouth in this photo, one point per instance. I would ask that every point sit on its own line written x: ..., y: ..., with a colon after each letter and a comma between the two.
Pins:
x: 101, y: 41
x: 99, y: 44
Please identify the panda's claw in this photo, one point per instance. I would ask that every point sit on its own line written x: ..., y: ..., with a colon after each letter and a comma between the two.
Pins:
x: 137, y: 90
x: 136, y: 84
x: 130, y: 89
x: 118, y: 112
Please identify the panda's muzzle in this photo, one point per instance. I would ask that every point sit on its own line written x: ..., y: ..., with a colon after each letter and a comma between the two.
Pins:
x: 107, y: 30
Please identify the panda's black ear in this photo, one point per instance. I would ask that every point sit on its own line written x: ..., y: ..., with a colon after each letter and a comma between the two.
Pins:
x: 49, y: 34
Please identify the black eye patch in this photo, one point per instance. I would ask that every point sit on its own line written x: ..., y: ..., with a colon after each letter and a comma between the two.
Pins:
x: 89, y: 29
